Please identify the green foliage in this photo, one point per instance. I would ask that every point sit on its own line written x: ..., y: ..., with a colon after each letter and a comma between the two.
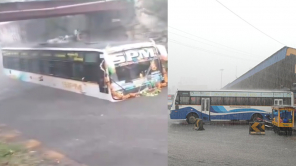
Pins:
x: 8, y: 149
x: 15, y: 155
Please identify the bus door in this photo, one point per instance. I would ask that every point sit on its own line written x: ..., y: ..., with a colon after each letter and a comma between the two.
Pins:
x: 101, y: 76
x: 205, y: 109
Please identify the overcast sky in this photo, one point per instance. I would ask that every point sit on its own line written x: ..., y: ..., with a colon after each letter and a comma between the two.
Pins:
x: 199, y: 30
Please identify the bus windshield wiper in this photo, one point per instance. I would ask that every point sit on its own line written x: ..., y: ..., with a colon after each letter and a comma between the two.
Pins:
x: 118, y: 85
x: 111, y: 78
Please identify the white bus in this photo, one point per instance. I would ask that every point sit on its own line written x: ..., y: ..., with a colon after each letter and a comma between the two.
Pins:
x: 227, y: 105
x: 117, y: 72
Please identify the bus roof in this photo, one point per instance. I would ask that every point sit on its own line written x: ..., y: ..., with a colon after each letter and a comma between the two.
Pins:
x: 99, y: 45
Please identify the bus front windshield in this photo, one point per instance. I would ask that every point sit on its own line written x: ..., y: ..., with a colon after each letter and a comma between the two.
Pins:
x: 130, y: 72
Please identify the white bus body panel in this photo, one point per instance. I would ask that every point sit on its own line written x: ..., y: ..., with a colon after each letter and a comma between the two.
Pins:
x: 88, y: 89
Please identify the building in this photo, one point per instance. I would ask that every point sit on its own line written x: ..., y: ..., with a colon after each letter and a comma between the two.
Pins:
x: 278, y: 72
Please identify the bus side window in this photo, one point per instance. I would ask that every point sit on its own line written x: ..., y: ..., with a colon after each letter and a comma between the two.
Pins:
x: 216, y: 101
x: 226, y: 101
x: 267, y: 101
x: 77, y: 71
x: 184, y: 100
x: 255, y: 101
x: 287, y: 101
x: 195, y: 100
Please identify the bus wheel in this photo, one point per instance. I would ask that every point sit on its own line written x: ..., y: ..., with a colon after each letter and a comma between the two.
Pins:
x: 191, y: 118
x: 255, y: 116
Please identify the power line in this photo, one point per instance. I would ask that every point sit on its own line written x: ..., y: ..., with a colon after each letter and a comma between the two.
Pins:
x: 173, y: 41
x: 197, y: 48
x: 250, y: 23
x: 210, y: 41
x: 252, y: 55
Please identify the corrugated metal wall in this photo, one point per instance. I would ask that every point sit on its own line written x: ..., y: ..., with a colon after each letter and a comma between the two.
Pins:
x: 277, y: 72
x: 276, y: 57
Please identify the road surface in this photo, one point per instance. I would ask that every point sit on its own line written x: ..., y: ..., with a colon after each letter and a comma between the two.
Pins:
x: 229, y: 145
x: 88, y: 130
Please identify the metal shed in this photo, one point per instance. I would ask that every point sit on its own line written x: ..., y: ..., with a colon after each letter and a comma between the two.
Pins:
x: 276, y: 72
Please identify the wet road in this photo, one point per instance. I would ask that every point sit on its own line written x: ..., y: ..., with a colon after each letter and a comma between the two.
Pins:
x: 229, y: 145
x: 86, y: 129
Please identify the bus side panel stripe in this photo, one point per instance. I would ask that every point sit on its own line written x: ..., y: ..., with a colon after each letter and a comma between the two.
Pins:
x: 218, y: 109
x: 246, y: 110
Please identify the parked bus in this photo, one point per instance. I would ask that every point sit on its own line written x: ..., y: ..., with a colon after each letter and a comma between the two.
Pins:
x: 117, y: 72
x: 227, y: 105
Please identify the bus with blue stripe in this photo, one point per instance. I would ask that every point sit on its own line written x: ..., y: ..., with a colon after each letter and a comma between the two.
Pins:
x: 227, y: 105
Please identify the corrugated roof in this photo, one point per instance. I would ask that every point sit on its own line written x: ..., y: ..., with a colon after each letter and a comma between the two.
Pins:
x: 276, y: 57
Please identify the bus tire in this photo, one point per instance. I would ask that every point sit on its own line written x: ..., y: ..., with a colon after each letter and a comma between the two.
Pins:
x: 191, y: 118
x: 255, y: 116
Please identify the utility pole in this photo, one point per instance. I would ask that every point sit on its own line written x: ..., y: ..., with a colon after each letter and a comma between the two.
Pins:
x: 221, y: 76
